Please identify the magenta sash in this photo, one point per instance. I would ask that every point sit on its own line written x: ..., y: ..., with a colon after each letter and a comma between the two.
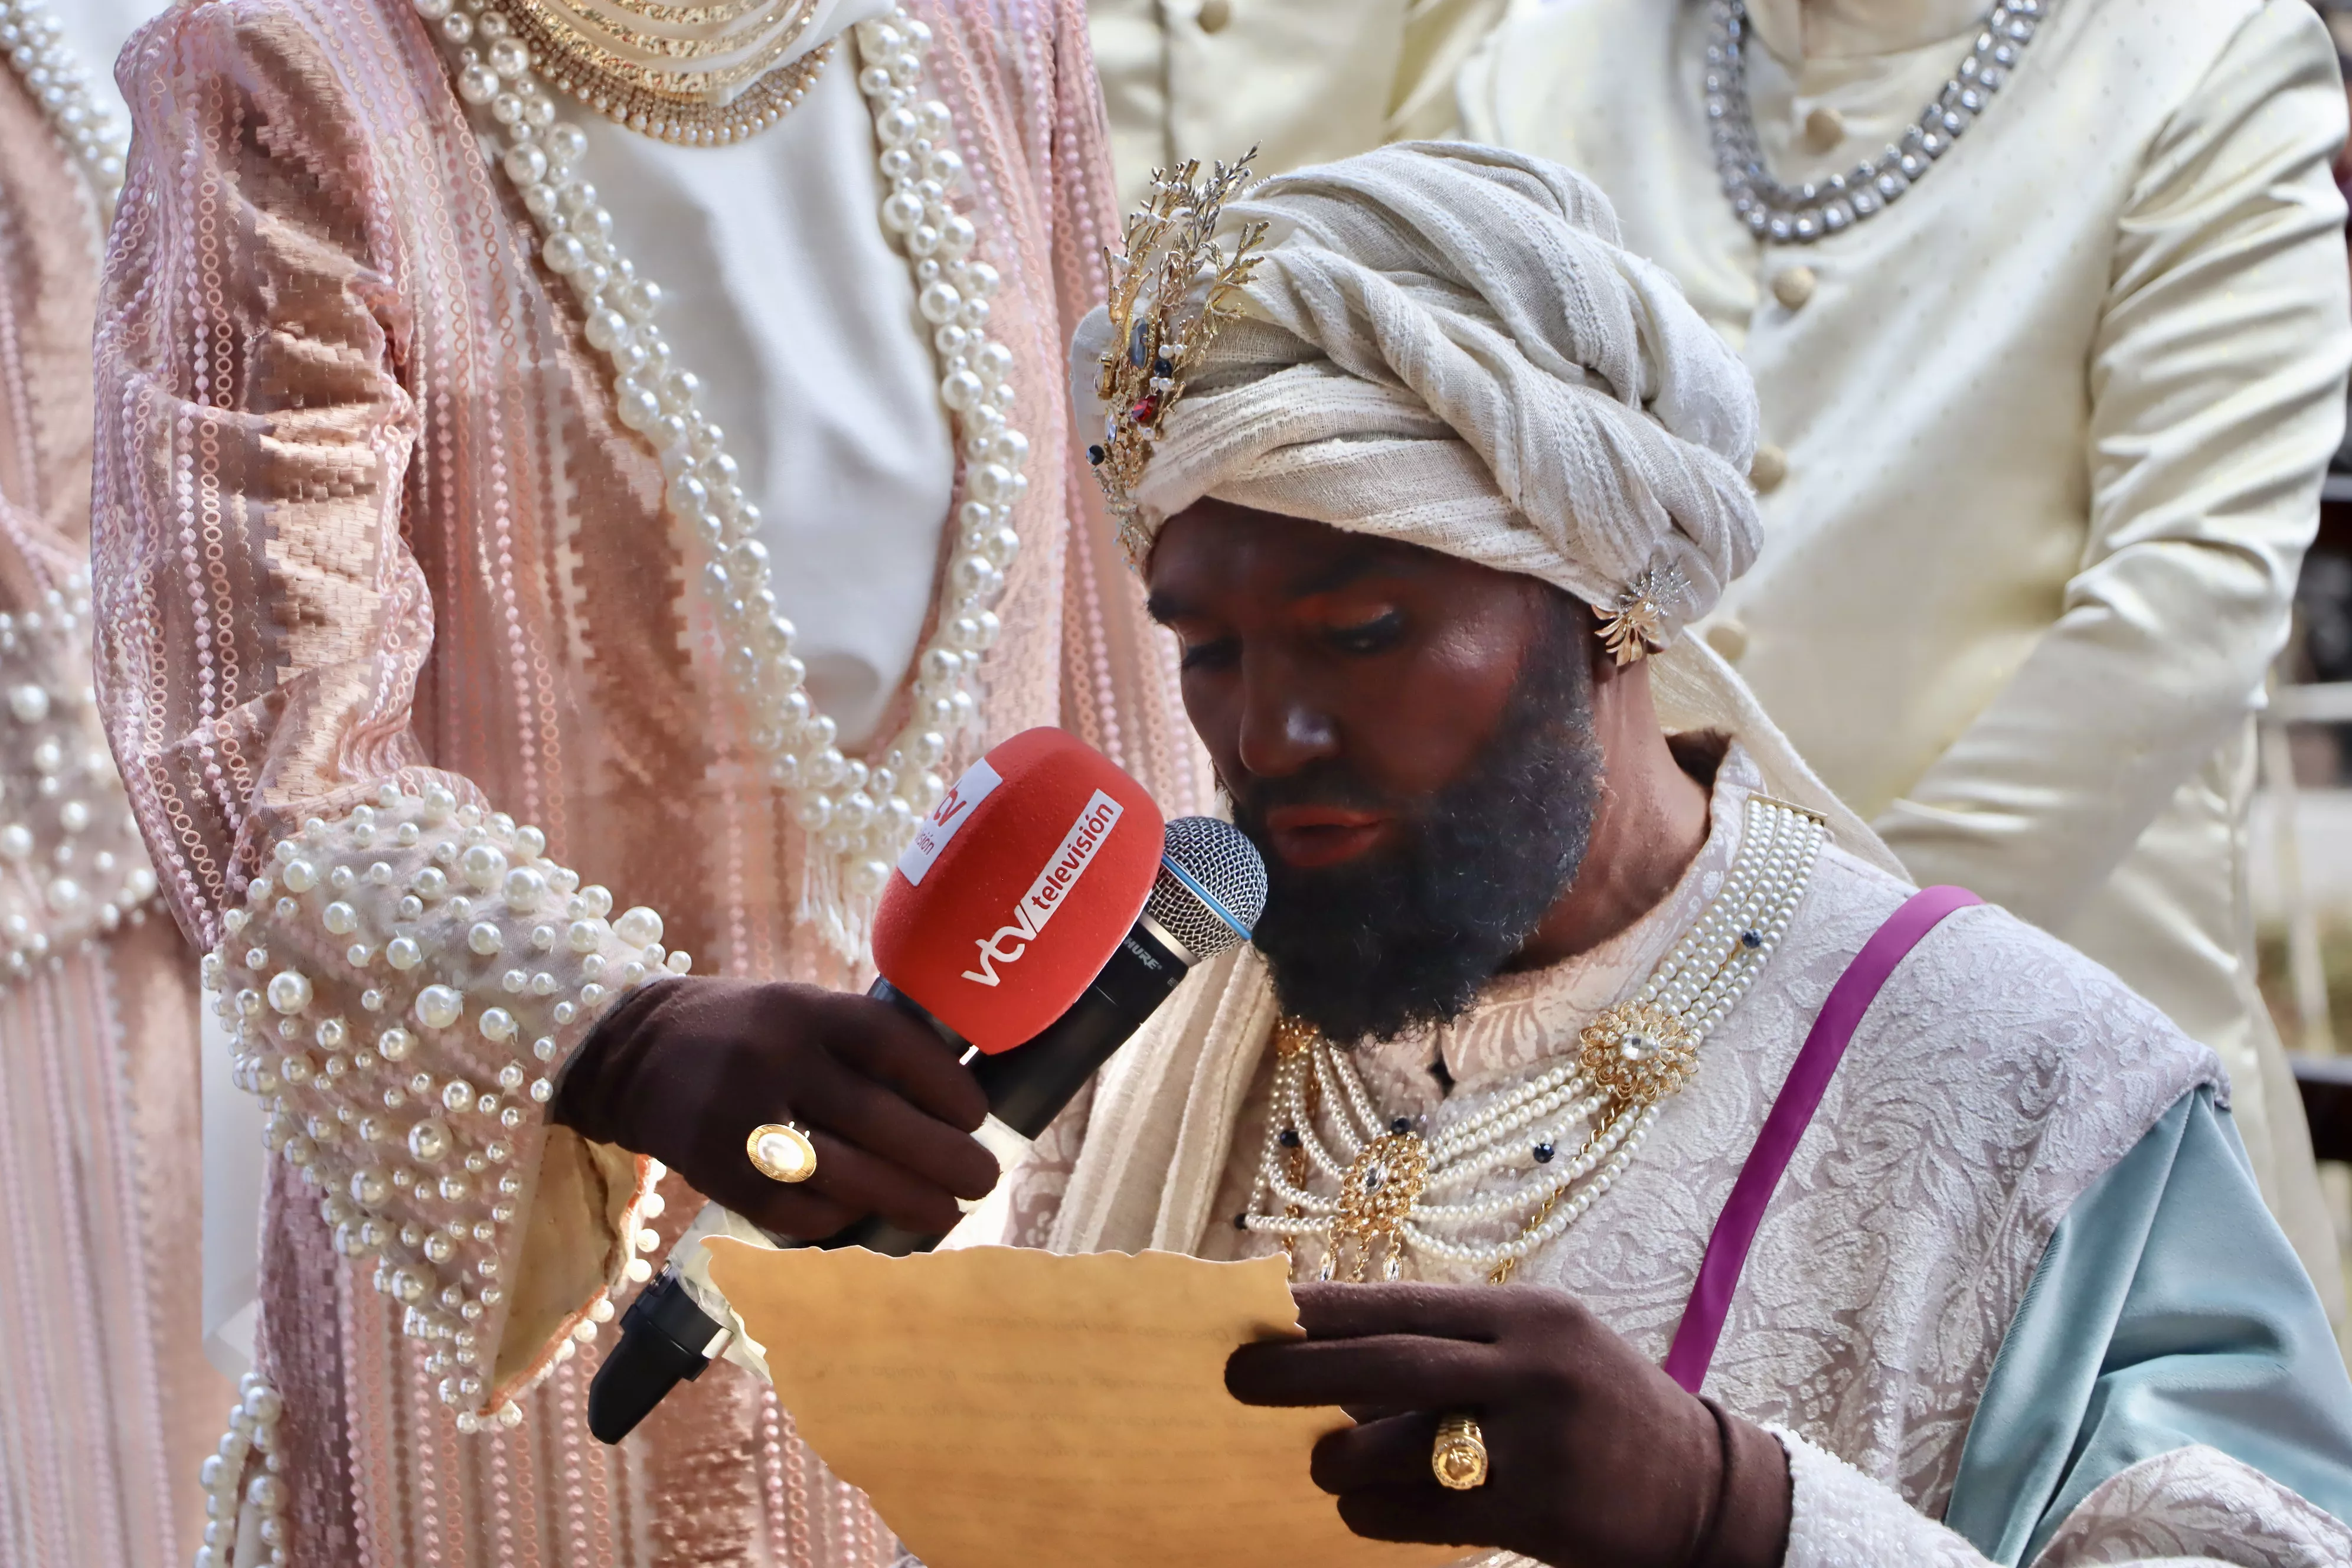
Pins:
x: 1791, y: 1113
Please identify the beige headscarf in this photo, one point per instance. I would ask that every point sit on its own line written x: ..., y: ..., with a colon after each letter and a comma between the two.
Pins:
x: 1445, y: 345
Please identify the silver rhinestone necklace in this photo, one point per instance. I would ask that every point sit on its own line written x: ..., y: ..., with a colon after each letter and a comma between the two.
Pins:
x: 1800, y: 214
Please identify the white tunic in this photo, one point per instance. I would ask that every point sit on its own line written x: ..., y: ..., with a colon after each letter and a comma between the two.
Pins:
x: 785, y: 298
x: 2053, y: 423
x: 1302, y: 80
x: 96, y: 31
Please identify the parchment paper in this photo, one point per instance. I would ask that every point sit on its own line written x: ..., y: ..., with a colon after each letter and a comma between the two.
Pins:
x: 1006, y: 1408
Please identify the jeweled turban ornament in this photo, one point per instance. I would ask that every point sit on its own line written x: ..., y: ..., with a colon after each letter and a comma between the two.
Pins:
x: 1633, y: 625
x: 1169, y: 292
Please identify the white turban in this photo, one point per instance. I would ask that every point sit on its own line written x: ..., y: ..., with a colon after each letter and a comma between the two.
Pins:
x: 1444, y: 343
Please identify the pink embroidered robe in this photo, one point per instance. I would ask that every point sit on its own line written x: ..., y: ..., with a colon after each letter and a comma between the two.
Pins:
x: 102, y: 1372
x: 368, y: 530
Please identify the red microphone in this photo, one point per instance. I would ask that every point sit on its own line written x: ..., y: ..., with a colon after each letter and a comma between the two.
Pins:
x: 1018, y: 888
x: 1042, y: 913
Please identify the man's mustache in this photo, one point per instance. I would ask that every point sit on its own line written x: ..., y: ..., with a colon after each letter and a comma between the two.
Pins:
x: 1329, y: 783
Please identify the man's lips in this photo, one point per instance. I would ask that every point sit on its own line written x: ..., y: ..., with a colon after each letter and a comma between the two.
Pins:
x: 1311, y: 836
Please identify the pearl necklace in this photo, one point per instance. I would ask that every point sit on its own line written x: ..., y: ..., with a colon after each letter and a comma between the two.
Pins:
x: 1802, y: 213
x: 35, y: 43
x: 1389, y: 1180
x: 857, y: 817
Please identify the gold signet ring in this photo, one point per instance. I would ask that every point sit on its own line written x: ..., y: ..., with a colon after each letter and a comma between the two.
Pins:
x: 1459, y: 1456
x: 780, y: 1151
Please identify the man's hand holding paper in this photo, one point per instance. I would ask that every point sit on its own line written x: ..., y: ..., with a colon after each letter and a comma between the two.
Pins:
x: 1592, y: 1454
x: 1015, y: 1409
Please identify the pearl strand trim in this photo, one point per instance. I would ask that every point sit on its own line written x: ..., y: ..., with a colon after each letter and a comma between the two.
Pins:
x: 861, y: 816
x: 1699, y: 982
x: 33, y: 42
x: 249, y: 1445
x: 403, y: 985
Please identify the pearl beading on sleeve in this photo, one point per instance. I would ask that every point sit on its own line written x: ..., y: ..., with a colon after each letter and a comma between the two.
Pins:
x: 402, y: 984
x: 72, y: 867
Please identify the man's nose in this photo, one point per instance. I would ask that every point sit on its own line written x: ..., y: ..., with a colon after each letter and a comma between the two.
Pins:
x: 1282, y: 729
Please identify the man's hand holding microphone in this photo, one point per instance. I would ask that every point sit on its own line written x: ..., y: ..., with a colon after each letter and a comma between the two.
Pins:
x: 686, y: 1070
x: 1044, y: 910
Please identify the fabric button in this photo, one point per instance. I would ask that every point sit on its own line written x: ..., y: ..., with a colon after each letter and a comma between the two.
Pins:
x: 1771, y: 467
x: 1824, y: 127
x: 1215, y: 14
x: 1794, y: 287
x: 1728, y: 637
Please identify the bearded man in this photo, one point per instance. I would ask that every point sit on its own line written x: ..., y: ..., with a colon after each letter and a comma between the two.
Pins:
x: 1835, y: 1222
x: 449, y: 570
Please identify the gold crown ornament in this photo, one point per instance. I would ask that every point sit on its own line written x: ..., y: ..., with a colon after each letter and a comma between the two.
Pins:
x: 1168, y: 295
x: 1633, y: 625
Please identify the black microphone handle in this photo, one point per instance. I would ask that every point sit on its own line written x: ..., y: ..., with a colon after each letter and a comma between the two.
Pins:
x: 1028, y: 1086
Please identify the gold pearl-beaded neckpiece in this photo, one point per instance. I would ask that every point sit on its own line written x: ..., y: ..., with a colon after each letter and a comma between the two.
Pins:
x: 1368, y: 1189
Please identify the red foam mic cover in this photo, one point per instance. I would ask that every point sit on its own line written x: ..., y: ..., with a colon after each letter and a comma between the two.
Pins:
x: 1018, y: 888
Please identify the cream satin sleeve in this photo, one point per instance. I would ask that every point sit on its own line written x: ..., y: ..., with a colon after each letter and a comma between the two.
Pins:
x: 2217, y: 380
x: 403, y: 968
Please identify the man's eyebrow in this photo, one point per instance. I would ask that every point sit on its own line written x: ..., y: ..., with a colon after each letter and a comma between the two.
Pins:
x: 1330, y: 576
x: 1350, y: 567
x: 1165, y: 607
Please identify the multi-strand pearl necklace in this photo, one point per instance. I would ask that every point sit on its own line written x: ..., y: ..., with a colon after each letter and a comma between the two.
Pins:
x: 1393, y: 1191
x: 857, y: 816
x: 35, y: 44
x: 1800, y: 214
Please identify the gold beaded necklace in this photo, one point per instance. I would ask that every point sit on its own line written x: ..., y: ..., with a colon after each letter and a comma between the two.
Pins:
x: 697, y: 75
x: 1389, y: 1184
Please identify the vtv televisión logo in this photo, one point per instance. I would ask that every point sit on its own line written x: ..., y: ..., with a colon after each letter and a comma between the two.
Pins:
x: 946, y: 820
x: 1062, y: 868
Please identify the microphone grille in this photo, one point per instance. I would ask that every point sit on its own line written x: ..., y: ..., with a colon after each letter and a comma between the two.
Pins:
x: 1211, y: 888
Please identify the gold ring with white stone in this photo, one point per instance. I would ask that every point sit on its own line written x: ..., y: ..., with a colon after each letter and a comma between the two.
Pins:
x: 1458, y: 1458
x: 780, y: 1151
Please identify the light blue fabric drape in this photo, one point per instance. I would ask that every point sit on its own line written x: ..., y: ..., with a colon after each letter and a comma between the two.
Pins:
x: 2169, y: 1310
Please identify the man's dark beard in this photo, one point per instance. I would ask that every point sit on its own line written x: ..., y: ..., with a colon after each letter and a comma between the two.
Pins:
x: 1408, y: 934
